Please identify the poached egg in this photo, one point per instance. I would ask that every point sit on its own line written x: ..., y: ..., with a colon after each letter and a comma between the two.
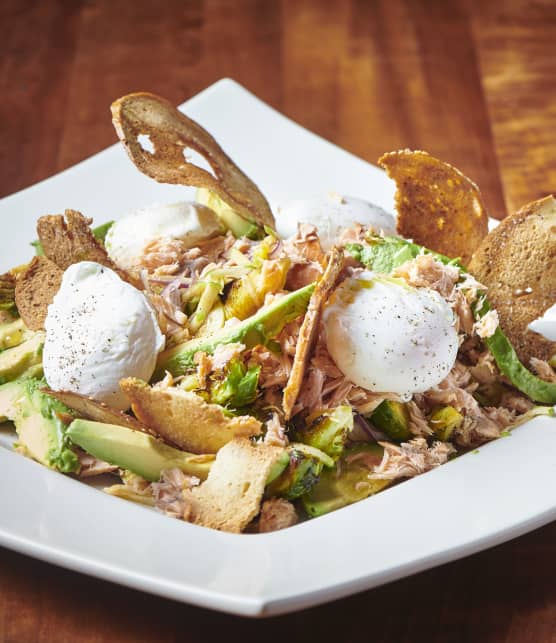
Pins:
x: 189, y: 222
x: 546, y: 324
x: 99, y: 329
x: 386, y: 336
x: 330, y: 214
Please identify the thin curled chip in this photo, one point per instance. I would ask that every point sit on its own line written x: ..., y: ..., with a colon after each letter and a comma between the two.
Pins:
x: 438, y: 207
x: 172, y: 134
x: 517, y: 263
x: 308, y: 331
x: 97, y: 411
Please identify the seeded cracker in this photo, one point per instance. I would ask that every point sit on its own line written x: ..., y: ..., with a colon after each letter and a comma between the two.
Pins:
x: 172, y: 134
x: 517, y: 263
x: 438, y: 207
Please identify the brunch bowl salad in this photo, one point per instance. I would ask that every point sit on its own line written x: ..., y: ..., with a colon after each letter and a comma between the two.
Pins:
x: 243, y: 370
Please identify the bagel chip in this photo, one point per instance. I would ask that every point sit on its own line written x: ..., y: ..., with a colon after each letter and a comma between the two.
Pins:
x: 308, y: 331
x: 35, y: 289
x: 90, y: 409
x: 68, y: 240
x: 517, y: 263
x: 438, y: 207
x: 171, y: 135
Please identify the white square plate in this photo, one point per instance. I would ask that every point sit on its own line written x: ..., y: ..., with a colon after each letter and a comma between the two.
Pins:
x: 472, y: 503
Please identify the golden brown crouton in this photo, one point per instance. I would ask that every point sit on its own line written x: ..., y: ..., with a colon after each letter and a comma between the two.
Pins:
x: 231, y: 495
x: 35, y: 289
x: 184, y: 418
x: 438, y: 207
x: 517, y: 263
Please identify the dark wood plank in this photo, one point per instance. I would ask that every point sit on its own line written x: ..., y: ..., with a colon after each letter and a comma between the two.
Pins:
x: 379, y: 76
x: 517, y: 53
x: 470, y: 81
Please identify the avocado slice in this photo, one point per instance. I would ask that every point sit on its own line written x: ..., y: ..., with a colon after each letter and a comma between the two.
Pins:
x: 39, y: 424
x: 257, y: 329
x: 239, y: 226
x: 138, y: 452
x: 393, y: 419
x: 15, y: 361
x: 384, y: 254
x: 347, y: 483
x: 13, y: 333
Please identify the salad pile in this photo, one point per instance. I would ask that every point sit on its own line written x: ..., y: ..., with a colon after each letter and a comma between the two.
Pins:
x: 244, y: 371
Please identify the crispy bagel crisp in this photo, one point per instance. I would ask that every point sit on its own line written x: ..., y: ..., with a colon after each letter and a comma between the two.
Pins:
x: 70, y: 240
x: 438, y: 207
x: 172, y: 134
x: 308, y: 331
x: 97, y: 411
x: 517, y: 263
x: 35, y: 289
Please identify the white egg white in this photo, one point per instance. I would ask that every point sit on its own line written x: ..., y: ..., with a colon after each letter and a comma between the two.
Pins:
x: 330, y: 214
x: 388, y: 337
x: 99, y: 329
x: 188, y: 222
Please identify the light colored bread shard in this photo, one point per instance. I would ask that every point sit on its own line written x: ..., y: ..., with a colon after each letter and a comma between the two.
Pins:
x: 517, y: 263
x: 231, y: 495
x: 184, y: 418
x: 35, y: 289
x: 69, y: 240
x: 438, y: 206
x: 91, y: 409
x: 172, y: 134
x: 308, y: 331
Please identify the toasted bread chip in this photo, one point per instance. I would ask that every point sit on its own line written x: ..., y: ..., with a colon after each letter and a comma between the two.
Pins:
x: 69, y: 241
x: 184, y: 418
x: 438, y: 207
x: 97, y: 411
x: 7, y: 292
x: 231, y: 495
x: 517, y: 263
x: 172, y: 134
x: 308, y: 331
x: 35, y: 289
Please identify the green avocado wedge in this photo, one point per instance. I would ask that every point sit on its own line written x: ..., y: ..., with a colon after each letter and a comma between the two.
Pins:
x: 135, y: 451
x: 42, y: 433
x: 508, y: 362
x: 257, y: 329
x: 384, y: 254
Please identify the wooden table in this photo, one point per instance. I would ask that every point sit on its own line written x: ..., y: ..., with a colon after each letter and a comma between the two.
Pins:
x: 472, y: 82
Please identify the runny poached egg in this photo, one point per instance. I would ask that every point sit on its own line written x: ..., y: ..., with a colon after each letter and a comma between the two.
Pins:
x: 330, y: 214
x: 189, y: 222
x: 99, y: 329
x: 386, y: 336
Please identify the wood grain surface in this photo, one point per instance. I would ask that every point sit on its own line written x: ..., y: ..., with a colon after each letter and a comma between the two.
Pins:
x: 473, y: 82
